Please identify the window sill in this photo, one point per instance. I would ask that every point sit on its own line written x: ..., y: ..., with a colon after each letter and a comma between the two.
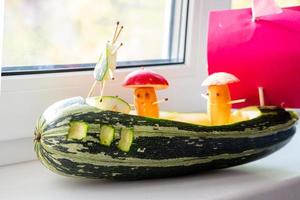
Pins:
x: 274, y: 177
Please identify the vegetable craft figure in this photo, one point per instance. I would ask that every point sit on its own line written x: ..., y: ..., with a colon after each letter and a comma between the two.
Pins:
x: 107, y: 62
x: 218, y: 97
x: 145, y: 82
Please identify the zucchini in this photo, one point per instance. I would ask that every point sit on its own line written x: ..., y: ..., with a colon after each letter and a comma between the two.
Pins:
x: 159, y: 147
x: 107, y: 135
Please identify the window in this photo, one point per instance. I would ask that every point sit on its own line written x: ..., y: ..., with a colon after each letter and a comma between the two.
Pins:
x: 247, y: 3
x: 43, y: 36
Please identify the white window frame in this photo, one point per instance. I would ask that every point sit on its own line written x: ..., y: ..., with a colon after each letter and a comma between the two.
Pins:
x: 25, y: 97
x: 1, y: 33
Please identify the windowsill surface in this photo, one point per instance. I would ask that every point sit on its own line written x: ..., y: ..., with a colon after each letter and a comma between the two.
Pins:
x: 274, y: 177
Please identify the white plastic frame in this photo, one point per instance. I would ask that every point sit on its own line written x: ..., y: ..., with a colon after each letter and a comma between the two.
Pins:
x: 1, y: 34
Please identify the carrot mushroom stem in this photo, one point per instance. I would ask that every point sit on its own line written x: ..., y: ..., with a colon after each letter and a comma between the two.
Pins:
x: 217, y: 105
x: 144, y: 98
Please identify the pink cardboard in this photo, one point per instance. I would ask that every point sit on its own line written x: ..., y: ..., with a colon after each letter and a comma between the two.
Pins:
x: 265, y: 53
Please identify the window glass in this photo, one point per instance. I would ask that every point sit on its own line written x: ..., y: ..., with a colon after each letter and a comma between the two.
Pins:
x: 63, y: 32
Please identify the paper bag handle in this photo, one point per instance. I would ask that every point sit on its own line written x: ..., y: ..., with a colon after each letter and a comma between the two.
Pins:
x: 264, y: 7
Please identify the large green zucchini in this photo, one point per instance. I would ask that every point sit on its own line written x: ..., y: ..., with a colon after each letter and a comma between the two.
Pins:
x: 160, y: 147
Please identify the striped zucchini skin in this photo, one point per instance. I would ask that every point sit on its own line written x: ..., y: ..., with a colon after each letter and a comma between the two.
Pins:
x: 160, y: 147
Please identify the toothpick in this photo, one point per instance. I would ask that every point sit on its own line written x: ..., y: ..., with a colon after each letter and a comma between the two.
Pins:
x: 204, y: 96
x: 92, y: 89
x: 237, y: 101
x: 111, y: 74
x: 132, y: 105
x: 117, y: 36
x: 261, y: 96
x: 117, y: 48
x: 116, y: 31
x: 102, y: 89
x: 160, y: 101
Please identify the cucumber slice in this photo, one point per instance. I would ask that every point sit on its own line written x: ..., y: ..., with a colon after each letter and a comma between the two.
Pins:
x: 126, y: 139
x: 101, y: 68
x: 107, y: 135
x: 78, y: 130
x: 109, y: 103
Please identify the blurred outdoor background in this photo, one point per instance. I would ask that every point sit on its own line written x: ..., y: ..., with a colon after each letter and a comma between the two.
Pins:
x: 40, y: 32
x: 44, y: 32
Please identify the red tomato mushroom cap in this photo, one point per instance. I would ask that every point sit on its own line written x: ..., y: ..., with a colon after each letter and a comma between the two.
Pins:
x: 145, y: 78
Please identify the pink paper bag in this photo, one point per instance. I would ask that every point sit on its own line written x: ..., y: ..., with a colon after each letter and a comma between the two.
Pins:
x: 264, y: 52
